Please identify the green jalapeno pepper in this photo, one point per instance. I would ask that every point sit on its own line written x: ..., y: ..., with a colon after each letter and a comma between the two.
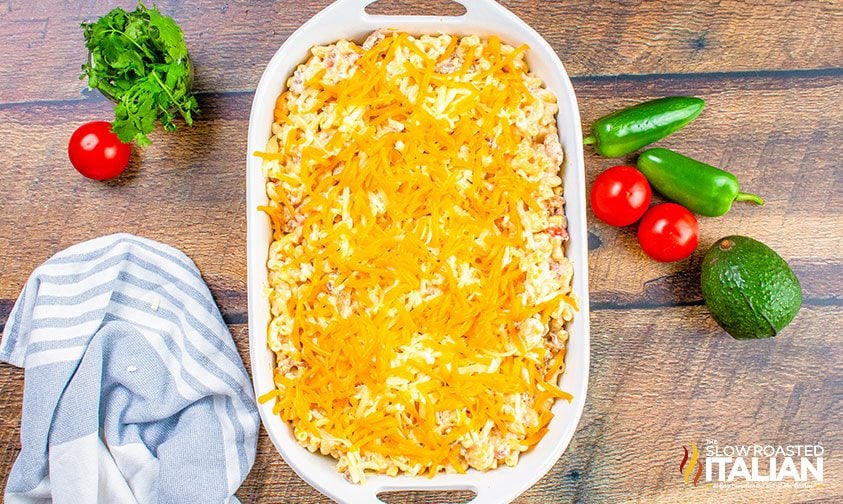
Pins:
x: 629, y: 129
x: 699, y: 187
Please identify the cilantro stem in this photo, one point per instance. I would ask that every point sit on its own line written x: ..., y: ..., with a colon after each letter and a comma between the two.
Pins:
x: 172, y: 98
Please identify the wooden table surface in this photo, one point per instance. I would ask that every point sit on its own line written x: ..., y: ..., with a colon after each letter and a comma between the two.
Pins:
x: 662, y: 373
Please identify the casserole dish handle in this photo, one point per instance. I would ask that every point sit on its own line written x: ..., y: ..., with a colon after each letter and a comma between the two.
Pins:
x: 480, y: 497
x: 476, y: 12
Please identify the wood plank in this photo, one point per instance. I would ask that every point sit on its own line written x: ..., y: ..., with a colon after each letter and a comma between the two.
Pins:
x: 660, y: 378
x: 780, y: 136
x: 194, y: 178
x: 231, y: 42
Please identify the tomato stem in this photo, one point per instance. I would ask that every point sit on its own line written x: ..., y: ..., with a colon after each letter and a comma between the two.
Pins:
x: 589, y: 140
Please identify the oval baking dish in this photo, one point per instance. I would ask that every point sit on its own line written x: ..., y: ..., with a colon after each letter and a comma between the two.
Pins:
x: 347, y: 19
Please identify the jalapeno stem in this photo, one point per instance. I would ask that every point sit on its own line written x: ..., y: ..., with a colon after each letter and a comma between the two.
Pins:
x: 589, y: 140
x: 742, y: 196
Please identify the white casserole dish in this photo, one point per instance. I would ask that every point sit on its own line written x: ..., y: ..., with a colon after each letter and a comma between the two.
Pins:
x: 347, y: 19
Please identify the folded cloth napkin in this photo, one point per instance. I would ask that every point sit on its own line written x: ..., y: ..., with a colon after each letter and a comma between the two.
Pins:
x: 134, y: 391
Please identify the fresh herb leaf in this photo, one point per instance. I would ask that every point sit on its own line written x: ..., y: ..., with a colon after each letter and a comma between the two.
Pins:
x: 139, y: 61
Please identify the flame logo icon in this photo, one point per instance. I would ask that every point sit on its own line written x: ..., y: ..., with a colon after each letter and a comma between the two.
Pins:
x: 686, y: 467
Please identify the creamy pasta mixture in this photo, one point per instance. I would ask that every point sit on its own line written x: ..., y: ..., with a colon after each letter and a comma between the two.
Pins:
x: 417, y: 277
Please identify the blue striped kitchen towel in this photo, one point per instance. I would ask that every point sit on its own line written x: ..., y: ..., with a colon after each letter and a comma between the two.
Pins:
x: 134, y: 390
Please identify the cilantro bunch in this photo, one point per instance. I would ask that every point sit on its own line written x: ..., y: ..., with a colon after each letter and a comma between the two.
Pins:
x: 139, y: 60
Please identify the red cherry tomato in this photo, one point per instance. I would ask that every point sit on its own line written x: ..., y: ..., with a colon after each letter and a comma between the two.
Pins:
x: 620, y: 195
x: 668, y: 232
x: 96, y: 152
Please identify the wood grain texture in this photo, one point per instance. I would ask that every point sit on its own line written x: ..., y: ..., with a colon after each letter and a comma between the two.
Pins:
x: 231, y: 41
x: 662, y: 373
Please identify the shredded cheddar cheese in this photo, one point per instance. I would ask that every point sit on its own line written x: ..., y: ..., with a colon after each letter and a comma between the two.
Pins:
x: 418, y: 283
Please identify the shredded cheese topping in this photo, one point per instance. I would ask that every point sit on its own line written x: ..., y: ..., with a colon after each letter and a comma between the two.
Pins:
x: 418, y: 283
